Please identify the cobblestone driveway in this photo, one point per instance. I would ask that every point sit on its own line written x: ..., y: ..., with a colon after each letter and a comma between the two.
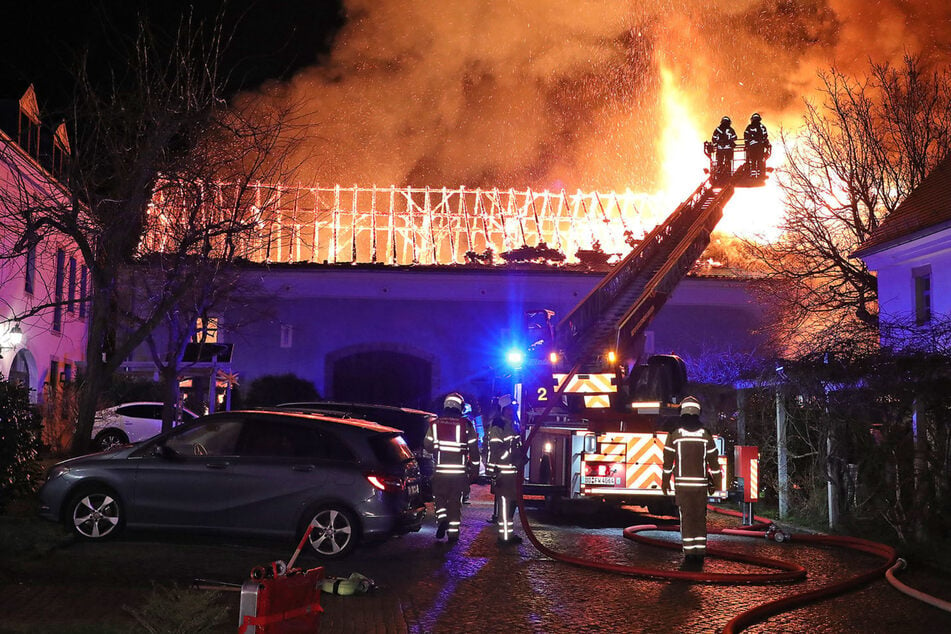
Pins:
x: 473, y: 586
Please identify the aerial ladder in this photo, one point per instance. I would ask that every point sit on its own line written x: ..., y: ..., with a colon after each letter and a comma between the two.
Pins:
x: 595, y: 429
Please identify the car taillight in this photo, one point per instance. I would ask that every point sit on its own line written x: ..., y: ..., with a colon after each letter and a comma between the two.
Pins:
x: 385, y: 482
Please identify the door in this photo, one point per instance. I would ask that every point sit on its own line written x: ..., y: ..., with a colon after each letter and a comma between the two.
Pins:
x: 383, y: 377
x: 190, y: 484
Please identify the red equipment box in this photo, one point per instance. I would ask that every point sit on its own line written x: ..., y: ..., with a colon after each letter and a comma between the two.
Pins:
x: 281, y: 604
x: 747, y: 467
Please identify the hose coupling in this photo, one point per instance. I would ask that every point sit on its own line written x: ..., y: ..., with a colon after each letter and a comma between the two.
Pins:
x: 776, y: 534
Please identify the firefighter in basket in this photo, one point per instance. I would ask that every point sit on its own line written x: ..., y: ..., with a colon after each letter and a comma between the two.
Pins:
x: 758, y: 147
x: 503, y: 453
x: 691, y: 459
x: 452, y: 441
x: 720, y: 150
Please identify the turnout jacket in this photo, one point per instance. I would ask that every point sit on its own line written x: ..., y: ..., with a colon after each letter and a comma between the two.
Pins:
x: 724, y: 138
x: 501, y: 446
x: 755, y: 134
x: 690, y: 458
x: 453, y: 443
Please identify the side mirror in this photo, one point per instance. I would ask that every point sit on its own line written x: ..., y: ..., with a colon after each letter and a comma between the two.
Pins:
x: 590, y: 443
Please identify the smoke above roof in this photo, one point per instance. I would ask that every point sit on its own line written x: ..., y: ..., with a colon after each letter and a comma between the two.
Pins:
x: 557, y: 93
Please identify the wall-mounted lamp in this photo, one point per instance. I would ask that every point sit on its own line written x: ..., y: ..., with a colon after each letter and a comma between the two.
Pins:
x: 13, y: 338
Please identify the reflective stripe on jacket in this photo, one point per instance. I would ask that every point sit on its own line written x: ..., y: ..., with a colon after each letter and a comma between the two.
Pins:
x: 502, y: 447
x: 452, y: 444
x: 692, y: 454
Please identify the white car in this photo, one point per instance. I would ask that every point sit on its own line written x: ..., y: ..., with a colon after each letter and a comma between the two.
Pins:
x: 129, y: 423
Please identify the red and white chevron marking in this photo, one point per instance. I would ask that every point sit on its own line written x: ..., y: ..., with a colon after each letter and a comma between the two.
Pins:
x: 643, y: 455
x: 754, y: 480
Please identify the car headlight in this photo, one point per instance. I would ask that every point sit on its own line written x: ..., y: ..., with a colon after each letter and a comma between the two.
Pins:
x: 56, y: 471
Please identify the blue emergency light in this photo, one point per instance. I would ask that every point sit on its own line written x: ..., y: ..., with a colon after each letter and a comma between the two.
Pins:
x: 515, y: 358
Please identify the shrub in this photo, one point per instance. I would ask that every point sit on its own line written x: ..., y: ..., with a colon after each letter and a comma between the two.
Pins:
x: 19, y: 442
x: 59, y: 411
x: 273, y: 389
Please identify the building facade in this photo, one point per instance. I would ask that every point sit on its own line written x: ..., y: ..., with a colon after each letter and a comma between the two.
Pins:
x: 910, y: 252
x: 43, y: 283
x: 407, y: 335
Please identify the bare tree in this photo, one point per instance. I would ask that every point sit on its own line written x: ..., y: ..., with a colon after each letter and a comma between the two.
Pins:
x: 861, y: 149
x: 217, y: 288
x: 150, y: 146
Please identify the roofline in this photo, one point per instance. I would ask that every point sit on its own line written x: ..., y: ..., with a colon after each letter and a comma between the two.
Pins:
x: 861, y: 252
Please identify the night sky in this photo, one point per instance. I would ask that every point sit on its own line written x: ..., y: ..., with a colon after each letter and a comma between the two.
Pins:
x: 43, y: 38
x: 548, y: 94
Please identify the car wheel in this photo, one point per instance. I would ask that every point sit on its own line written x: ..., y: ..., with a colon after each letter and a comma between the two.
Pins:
x: 110, y: 438
x: 334, y: 533
x: 95, y: 514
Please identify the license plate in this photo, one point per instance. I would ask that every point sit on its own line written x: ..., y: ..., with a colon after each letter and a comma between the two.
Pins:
x: 413, y: 489
x: 599, y: 480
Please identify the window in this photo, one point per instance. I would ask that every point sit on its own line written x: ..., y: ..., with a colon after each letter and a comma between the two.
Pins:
x: 71, y: 288
x: 922, y: 279
x: 30, y: 272
x: 216, y: 438
x: 54, y: 374
x: 287, y: 335
x: 141, y: 411
x: 206, y: 330
x: 28, y: 123
x: 83, y: 289
x: 60, y: 151
x: 29, y: 134
x: 58, y: 298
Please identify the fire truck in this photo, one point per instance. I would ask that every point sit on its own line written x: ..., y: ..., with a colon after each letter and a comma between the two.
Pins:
x: 595, y: 426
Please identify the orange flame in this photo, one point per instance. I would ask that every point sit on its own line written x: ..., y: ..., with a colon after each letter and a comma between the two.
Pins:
x: 752, y: 212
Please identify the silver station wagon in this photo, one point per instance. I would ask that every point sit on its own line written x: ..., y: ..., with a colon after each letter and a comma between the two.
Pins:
x: 268, y: 473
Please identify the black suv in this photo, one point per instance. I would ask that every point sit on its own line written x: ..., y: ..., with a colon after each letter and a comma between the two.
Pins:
x: 412, y: 422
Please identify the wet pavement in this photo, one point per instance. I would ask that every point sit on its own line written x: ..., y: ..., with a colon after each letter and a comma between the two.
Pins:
x: 476, y: 585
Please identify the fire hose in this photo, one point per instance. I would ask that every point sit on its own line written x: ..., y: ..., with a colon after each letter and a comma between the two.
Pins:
x: 915, y: 594
x: 782, y: 571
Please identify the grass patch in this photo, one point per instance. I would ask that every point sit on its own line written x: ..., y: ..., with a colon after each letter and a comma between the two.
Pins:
x: 24, y: 538
x: 177, y: 610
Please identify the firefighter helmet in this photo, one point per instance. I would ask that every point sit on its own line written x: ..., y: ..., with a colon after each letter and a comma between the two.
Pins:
x: 690, y: 406
x: 756, y: 118
x: 725, y: 121
x: 454, y: 400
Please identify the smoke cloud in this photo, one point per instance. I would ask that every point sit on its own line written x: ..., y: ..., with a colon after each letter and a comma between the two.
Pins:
x: 558, y: 93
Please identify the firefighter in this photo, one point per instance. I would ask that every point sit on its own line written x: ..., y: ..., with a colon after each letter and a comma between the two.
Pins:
x: 454, y: 447
x: 691, y: 452
x: 724, y: 140
x: 503, y: 453
x: 758, y: 148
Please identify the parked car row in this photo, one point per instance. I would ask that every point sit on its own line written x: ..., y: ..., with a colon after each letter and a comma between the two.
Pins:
x: 261, y: 472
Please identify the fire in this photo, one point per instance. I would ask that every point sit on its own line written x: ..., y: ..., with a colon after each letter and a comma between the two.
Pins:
x: 753, y: 212
x: 681, y: 141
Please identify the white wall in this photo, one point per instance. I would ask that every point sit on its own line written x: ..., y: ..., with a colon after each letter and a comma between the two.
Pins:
x: 896, y: 286
x: 41, y: 345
